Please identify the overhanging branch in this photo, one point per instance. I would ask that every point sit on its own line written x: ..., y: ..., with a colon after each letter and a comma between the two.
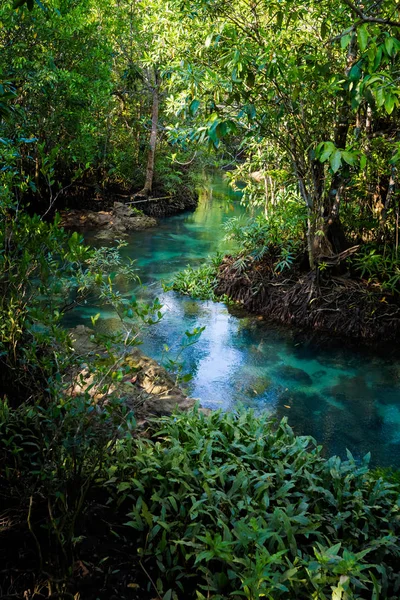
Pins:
x: 366, y: 19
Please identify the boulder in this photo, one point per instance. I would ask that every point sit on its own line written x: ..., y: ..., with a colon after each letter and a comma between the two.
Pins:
x: 289, y: 373
x: 119, y: 221
x: 125, y: 219
x: 148, y: 389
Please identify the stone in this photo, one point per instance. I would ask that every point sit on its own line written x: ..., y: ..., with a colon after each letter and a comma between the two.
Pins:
x: 319, y: 374
x: 82, y: 342
x: 118, y: 222
x: 108, y: 235
x: 290, y: 373
x: 149, y: 390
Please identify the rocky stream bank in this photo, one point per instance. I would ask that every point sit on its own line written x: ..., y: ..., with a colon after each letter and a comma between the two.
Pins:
x: 149, y: 390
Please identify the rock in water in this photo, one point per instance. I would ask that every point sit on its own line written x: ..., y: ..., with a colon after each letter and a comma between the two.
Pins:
x: 289, y: 373
x: 121, y: 220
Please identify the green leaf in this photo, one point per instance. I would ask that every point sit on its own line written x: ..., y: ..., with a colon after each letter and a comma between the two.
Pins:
x: 395, y: 158
x: 380, y: 97
x: 349, y: 157
x: 362, y: 37
x: 194, y: 106
x: 378, y: 58
x: 389, y: 45
x: 187, y: 377
x: 209, y: 40
x: 329, y: 148
x: 335, y: 160
x: 390, y: 102
x: 123, y: 486
x: 345, y: 41
x: 355, y: 73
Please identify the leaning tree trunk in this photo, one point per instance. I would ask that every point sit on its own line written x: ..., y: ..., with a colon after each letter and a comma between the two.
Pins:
x: 148, y: 185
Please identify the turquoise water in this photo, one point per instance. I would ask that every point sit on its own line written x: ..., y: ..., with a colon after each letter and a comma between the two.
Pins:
x: 342, y: 397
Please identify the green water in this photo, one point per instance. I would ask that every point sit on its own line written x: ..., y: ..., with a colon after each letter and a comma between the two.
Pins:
x: 344, y: 398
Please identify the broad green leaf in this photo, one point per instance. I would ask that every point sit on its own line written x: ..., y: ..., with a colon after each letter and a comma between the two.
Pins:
x: 349, y: 157
x: 355, y: 73
x: 345, y: 41
x: 389, y: 45
x: 378, y: 58
x: 362, y: 37
x: 329, y: 148
x: 335, y: 160
x: 390, y: 102
x: 380, y: 97
x: 194, y: 106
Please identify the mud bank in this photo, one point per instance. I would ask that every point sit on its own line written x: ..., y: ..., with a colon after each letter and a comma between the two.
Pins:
x: 337, y: 305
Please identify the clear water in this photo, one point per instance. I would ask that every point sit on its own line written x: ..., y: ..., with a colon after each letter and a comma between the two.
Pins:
x: 342, y: 397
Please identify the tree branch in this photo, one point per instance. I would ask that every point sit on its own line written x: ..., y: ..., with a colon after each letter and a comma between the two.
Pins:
x: 365, y: 19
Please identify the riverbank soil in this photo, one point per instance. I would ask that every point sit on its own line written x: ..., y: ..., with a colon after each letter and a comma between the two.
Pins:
x: 333, y: 304
x: 161, y: 203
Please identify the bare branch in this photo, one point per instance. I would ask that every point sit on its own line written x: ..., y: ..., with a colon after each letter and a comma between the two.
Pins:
x: 366, y: 19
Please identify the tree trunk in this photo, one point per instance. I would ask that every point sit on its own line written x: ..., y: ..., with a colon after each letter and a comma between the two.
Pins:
x: 148, y: 186
x: 266, y: 191
x: 332, y: 226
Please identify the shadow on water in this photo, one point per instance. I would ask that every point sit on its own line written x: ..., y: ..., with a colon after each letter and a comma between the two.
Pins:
x: 345, y: 398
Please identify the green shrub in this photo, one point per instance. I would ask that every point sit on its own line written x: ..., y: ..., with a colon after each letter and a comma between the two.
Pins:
x: 198, y: 282
x: 389, y: 475
x: 382, y: 267
x: 281, y: 236
x: 229, y: 506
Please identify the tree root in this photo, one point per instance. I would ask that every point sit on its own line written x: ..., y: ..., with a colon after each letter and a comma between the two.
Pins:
x: 343, y: 307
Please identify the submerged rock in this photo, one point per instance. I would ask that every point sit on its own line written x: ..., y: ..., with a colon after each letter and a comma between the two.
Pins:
x: 319, y: 374
x: 119, y: 221
x: 303, y: 404
x: 290, y: 373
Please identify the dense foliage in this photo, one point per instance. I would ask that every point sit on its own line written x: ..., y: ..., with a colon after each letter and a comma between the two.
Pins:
x: 229, y: 506
x: 100, y: 97
x: 83, y: 86
x: 217, y: 506
x: 198, y: 282
x: 312, y: 90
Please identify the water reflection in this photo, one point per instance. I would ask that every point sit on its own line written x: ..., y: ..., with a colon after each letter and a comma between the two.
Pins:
x: 344, y: 398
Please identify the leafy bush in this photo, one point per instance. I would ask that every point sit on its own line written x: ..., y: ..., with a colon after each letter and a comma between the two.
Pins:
x: 51, y: 457
x: 198, y: 282
x: 388, y: 474
x: 382, y: 267
x: 280, y: 236
x: 228, y: 506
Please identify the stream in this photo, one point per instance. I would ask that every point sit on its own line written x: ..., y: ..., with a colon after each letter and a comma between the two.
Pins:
x: 344, y: 398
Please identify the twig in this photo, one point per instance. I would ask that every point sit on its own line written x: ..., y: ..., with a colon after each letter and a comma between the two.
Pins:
x: 186, y: 163
x: 33, y: 533
x: 367, y: 19
x: 151, y: 580
x: 150, y: 200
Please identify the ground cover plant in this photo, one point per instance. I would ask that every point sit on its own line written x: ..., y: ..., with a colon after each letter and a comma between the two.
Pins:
x: 211, y: 506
